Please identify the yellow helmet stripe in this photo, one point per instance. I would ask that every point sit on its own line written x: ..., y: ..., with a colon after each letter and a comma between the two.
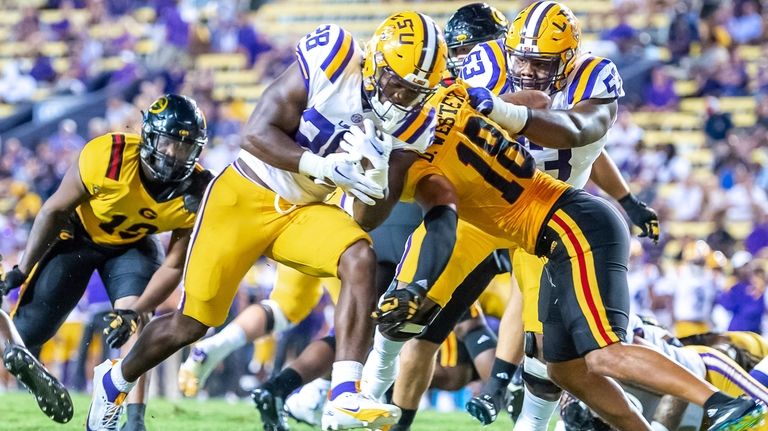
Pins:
x: 337, y: 61
x: 534, y: 20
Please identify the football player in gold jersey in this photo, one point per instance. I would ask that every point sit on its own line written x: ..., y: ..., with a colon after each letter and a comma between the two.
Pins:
x: 123, y: 189
x: 494, y: 184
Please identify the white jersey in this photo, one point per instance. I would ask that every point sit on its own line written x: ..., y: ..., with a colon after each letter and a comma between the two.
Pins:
x: 662, y: 340
x: 592, y: 77
x: 330, y: 62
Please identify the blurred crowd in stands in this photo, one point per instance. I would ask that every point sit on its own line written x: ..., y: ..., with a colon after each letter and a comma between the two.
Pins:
x: 708, y: 271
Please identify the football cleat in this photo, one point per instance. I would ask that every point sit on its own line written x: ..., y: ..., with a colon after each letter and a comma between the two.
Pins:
x: 270, y: 408
x: 51, y: 396
x: 107, y: 402
x: 306, y: 405
x: 485, y: 406
x: 194, y: 372
x: 350, y: 410
x: 740, y: 414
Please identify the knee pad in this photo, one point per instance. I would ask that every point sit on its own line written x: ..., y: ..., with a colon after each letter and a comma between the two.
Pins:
x: 535, y: 376
x: 276, y: 319
x: 404, y: 331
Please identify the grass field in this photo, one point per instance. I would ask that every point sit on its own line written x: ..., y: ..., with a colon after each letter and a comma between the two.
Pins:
x: 18, y: 412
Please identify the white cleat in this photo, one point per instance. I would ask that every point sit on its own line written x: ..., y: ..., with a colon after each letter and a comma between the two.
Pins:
x: 352, y: 410
x: 107, y: 402
x: 306, y: 405
x: 195, y: 370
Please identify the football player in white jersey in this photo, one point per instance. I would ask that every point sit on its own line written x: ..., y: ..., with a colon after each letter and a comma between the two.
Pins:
x: 270, y: 201
x: 710, y: 363
x: 542, y: 52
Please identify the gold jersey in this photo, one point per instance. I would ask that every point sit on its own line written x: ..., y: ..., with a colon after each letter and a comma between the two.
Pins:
x: 499, y: 188
x: 120, y: 210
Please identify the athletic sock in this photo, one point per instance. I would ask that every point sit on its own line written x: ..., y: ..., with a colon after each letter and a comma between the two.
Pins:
x: 345, y: 377
x: 535, y: 414
x: 229, y: 339
x: 135, y: 412
x: 501, y: 374
x: 116, y: 375
x: 406, y: 417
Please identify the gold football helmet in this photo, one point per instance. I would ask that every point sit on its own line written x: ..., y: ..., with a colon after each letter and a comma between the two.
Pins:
x: 542, y: 45
x: 403, y: 64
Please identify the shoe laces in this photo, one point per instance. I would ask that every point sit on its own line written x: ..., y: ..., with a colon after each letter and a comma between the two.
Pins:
x: 111, y: 416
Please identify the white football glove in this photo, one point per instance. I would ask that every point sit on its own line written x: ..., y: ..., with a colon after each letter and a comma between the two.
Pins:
x: 344, y: 171
x: 374, y: 147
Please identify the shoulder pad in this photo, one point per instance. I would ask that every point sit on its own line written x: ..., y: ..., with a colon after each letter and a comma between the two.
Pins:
x: 326, y: 54
x: 594, y: 78
x: 486, y: 66
x: 194, y: 193
x: 415, y: 132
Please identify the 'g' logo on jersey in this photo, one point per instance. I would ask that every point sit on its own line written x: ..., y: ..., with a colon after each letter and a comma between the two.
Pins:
x: 148, y: 213
x: 159, y: 105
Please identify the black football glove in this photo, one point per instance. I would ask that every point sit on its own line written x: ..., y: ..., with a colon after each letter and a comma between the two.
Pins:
x: 399, y: 305
x: 12, y: 280
x: 122, y: 324
x: 641, y: 216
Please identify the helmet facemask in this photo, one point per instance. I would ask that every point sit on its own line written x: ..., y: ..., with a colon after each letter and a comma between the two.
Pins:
x: 168, y: 158
x: 545, y: 72
x: 393, y: 97
x: 456, y: 56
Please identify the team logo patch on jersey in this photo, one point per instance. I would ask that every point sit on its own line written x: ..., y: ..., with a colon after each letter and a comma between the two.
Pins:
x: 357, y: 118
x: 159, y: 105
x: 148, y: 213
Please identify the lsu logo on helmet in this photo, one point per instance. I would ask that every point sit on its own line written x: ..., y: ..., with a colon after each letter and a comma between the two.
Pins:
x: 403, y: 63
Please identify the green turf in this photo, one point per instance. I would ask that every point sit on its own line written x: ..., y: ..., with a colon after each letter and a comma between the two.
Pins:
x: 18, y: 411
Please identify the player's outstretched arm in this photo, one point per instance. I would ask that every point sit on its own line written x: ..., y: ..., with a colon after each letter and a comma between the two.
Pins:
x: 605, y: 174
x: 53, y: 217
x: 168, y: 276
x: 269, y: 131
x: 581, y: 125
x: 437, y: 197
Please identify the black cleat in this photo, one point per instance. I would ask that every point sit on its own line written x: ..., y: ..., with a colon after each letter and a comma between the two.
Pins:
x: 485, y: 407
x: 270, y: 407
x: 52, y: 398
x: 514, y: 402
x: 740, y: 414
x: 576, y: 415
